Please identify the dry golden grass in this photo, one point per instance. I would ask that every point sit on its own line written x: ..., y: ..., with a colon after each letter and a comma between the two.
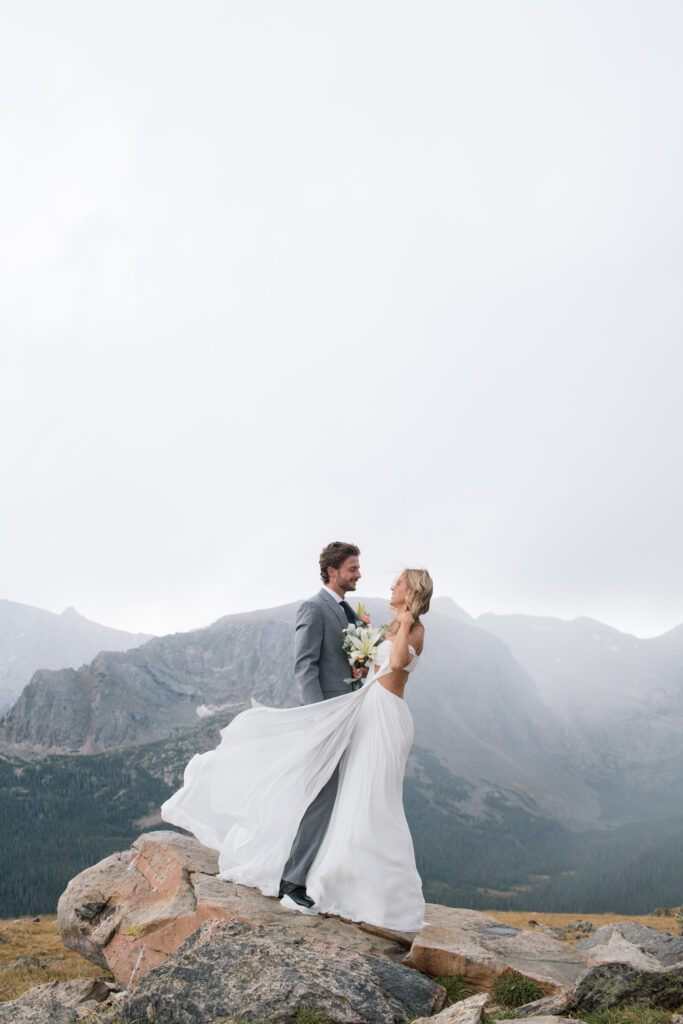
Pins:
x: 24, y: 937
x: 519, y: 919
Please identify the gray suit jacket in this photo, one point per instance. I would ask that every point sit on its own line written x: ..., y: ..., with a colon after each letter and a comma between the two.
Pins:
x: 320, y: 665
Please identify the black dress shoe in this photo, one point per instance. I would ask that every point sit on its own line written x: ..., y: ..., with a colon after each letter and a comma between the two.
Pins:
x: 295, y: 898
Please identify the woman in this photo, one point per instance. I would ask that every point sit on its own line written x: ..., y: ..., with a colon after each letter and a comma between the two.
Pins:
x: 246, y: 797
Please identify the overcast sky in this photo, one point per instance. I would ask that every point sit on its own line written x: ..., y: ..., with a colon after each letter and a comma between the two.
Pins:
x: 277, y: 273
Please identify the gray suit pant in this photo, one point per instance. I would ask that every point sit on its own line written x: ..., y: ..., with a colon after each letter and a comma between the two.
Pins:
x: 311, y: 832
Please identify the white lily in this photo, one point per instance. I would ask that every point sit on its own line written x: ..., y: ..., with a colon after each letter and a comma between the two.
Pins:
x: 360, y: 643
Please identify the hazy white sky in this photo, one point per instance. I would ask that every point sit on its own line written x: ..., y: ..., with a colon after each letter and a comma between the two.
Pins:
x: 399, y: 273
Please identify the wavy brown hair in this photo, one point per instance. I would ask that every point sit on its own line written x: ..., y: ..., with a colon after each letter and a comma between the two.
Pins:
x: 334, y: 555
x: 420, y: 588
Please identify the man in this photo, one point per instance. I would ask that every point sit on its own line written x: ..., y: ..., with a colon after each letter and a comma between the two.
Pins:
x: 320, y: 667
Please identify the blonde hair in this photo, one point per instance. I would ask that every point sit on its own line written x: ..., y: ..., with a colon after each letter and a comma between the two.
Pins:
x: 420, y: 587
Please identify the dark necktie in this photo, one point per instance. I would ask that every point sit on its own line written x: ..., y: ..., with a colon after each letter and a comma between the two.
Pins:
x: 348, y: 611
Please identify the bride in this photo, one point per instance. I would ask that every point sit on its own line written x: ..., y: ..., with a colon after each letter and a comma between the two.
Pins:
x: 247, y: 797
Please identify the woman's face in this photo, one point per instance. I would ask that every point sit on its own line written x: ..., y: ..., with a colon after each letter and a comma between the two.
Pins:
x: 399, y: 593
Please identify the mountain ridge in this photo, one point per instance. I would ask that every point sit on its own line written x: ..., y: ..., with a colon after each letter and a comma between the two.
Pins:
x: 474, y: 707
x: 505, y: 796
x: 33, y: 638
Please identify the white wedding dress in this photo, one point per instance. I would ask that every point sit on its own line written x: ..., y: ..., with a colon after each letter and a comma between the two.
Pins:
x: 247, y: 797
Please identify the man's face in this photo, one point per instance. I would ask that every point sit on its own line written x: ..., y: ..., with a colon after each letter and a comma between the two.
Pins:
x: 347, y: 575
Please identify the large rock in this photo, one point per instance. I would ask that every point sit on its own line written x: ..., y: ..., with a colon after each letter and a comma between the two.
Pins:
x: 629, y: 962
x: 59, y: 1002
x: 549, y: 1006
x: 615, y: 984
x: 666, y: 948
x: 477, y: 945
x: 465, y: 1011
x: 618, y: 950
x: 236, y: 969
x: 133, y: 910
x: 541, y: 1018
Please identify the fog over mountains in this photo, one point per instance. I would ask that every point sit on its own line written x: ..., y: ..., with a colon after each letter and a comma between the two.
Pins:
x: 544, y: 750
x: 619, y: 697
x: 583, y: 668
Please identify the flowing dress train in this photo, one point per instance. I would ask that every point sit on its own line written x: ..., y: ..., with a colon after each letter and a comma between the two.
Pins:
x: 247, y: 797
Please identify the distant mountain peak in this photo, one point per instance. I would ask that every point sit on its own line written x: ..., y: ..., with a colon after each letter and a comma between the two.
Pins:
x: 34, y: 638
x: 447, y: 606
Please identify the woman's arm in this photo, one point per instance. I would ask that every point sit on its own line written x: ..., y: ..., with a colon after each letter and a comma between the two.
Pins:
x: 400, y: 655
x: 417, y: 638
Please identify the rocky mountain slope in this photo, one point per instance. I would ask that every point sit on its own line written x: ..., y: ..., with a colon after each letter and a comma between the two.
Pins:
x: 125, y: 698
x: 32, y: 638
x: 509, y: 799
x: 475, y: 708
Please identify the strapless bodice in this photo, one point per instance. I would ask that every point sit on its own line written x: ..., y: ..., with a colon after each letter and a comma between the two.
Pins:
x: 384, y: 649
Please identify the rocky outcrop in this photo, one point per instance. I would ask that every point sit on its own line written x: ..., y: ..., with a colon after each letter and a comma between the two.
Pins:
x: 665, y: 948
x: 543, y: 1019
x: 232, y: 969
x: 630, y: 963
x: 456, y: 941
x: 466, y: 1011
x: 618, y: 950
x: 188, y: 947
x: 59, y: 1002
x: 548, y: 1006
x: 616, y: 984
x: 133, y: 910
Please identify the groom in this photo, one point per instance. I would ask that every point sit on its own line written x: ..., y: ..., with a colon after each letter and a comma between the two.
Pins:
x: 320, y: 667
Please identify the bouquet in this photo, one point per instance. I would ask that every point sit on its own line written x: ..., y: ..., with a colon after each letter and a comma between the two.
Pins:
x: 360, y: 644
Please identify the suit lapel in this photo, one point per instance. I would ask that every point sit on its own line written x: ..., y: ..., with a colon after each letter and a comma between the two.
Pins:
x: 335, y: 608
